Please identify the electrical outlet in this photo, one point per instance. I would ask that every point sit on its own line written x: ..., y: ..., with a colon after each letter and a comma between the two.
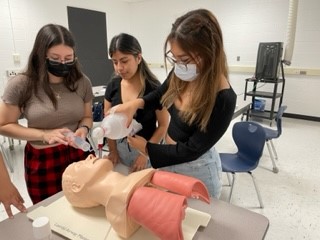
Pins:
x: 16, y: 57
x: 12, y: 72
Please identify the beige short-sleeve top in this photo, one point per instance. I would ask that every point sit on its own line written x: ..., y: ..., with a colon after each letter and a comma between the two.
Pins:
x: 42, y: 114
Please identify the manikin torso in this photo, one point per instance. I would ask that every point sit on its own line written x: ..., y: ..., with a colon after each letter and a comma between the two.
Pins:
x: 132, y: 200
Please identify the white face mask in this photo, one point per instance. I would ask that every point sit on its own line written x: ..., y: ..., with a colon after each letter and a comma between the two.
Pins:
x: 188, y: 73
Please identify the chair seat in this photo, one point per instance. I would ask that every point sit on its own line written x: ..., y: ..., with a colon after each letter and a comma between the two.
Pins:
x: 249, y: 138
x: 233, y: 163
x: 271, y: 133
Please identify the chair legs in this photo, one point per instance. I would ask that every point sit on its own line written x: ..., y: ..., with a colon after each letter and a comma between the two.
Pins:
x: 232, y: 185
x: 274, y: 150
x: 273, y: 155
x: 255, y: 186
x: 257, y: 190
x: 229, y: 181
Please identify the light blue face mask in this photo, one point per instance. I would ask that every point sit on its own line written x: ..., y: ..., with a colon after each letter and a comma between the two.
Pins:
x: 185, y: 72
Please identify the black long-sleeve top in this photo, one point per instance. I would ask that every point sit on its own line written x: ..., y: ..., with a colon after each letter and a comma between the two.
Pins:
x: 191, y: 142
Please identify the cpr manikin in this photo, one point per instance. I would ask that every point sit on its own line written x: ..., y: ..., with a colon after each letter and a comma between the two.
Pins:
x: 132, y: 200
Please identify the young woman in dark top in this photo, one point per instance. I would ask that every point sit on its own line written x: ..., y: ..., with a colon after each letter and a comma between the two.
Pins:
x: 134, y: 79
x: 199, y: 98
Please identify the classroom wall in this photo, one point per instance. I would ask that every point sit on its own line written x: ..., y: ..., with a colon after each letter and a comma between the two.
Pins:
x: 21, y: 20
x: 244, y: 23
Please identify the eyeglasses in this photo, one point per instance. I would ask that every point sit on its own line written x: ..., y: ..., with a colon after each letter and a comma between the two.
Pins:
x: 183, y: 64
x: 66, y: 62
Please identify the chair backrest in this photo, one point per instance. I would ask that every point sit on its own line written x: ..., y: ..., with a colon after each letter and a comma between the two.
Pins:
x: 278, y: 118
x: 249, y: 138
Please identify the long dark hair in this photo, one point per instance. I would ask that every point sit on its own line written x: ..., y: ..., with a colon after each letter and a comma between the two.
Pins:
x: 128, y: 44
x: 48, y: 36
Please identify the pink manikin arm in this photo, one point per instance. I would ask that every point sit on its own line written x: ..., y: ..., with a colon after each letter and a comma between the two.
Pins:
x: 158, y: 211
x: 181, y: 184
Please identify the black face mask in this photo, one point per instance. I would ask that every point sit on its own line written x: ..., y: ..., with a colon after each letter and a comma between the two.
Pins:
x: 59, y: 69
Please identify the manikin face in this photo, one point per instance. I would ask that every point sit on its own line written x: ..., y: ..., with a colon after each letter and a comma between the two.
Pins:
x: 90, y: 168
x: 80, y: 177
x: 125, y: 65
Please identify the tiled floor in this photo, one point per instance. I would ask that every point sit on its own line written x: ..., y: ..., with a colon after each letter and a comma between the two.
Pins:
x: 291, y: 197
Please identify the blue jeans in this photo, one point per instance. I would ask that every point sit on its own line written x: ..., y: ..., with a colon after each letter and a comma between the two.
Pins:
x: 127, y: 154
x: 206, y: 168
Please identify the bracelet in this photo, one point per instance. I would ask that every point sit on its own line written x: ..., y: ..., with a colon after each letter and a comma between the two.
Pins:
x: 84, y: 126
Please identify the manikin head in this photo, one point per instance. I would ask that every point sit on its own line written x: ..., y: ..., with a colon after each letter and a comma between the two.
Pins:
x: 80, y: 180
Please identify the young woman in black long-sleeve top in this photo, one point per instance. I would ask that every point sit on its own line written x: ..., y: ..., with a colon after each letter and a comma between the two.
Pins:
x: 199, y: 99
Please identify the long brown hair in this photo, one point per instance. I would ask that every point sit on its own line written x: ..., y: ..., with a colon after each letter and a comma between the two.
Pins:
x: 198, y: 34
x: 48, y: 36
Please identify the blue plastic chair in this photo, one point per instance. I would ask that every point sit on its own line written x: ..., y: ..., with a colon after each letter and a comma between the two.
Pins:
x: 272, y: 134
x: 249, y: 138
